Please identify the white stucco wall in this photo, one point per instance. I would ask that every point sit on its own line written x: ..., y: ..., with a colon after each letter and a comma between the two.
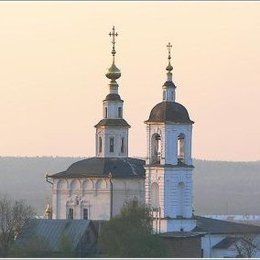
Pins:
x: 118, y: 133
x: 126, y: 190
x: 93, y: 194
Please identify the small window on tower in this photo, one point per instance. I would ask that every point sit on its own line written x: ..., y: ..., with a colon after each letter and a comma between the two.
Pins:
x: 122, y: 145
x: 172, y: 95
x: 70, y: 213
x: 164, y: 95
x: 105, y: 112
x: 120, y: 112
x: 85, y: 214
x: 111, y: 144
x: 100, y: 144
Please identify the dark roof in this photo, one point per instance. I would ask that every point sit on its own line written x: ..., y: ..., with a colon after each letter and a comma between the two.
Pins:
x: 215, y: 226
x: 169, y: 112
x: 169, y: 84
x: 112, y: 122
x: 182, y: 234
x: 226, y: 243
x: 113, y: 97
x: 52, y: 231
x: 102, y: 167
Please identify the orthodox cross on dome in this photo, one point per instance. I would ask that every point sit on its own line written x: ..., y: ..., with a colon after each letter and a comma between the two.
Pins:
x: 169, y: 47
x: 113, y: 34
x: 113, y: 72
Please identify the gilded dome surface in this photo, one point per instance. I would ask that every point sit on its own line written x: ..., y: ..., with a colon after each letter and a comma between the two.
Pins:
x: 113, y: 72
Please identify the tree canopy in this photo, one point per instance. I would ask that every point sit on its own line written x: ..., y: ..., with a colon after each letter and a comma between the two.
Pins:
x: 13, y: 215
x: 130, y: 234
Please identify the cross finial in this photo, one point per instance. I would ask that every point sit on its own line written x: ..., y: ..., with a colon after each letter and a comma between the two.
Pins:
x: 169, y: 46
x: 113, y: 34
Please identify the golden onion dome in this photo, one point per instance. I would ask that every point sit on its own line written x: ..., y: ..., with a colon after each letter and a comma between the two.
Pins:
x: 169, y: 67
x: 113, y: 72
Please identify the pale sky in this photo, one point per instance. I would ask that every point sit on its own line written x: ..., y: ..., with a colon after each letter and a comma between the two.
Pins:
x: 53, y: 57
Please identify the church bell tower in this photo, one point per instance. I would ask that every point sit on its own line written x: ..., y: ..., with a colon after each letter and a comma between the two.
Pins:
x: 112, y: 130
x: 169, y: 187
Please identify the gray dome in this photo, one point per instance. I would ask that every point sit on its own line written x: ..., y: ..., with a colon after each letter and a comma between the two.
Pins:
x: 102, y: 167
x: 169, y: 112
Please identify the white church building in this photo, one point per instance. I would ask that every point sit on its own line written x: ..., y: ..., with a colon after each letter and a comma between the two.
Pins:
x: 96, y: 188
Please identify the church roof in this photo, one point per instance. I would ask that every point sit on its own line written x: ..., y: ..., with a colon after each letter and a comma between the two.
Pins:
x: 113, y: 97
x: 103, y: 167
x: 112, y: 122
x: 215, y: 226
x: 226, y: 243
x: 53, y: 230
x: 182, y: 234
x: 169, y: 112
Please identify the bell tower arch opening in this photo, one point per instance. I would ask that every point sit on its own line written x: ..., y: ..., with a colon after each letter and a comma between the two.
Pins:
x: 181, y: 148
x: 156, y: 144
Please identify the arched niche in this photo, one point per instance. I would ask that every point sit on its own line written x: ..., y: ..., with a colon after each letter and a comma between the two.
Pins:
x: 101, y: 184
x: 62, y: 184
x: 155, y: 195
x: 87, y: 185
x: 75, y: 185
x: 181, y: 194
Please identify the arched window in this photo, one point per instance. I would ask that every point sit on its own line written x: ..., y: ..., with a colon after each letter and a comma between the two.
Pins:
x: 111, y: 144
x: 122, y: 145
x: 155, y: 195
x: 181, y: 149
x: 181, y: 193
x: 105, y: 112
x: 100, y: 144
x: 70, y: 213
x: 172, y: 96
x: 85, y: 213
x: 120, y: 112
x: 156, y: 149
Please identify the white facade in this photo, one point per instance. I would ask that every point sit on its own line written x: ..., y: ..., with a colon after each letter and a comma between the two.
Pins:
x: 174, y: 182
x: 169, y: 186
x: 100, y: 197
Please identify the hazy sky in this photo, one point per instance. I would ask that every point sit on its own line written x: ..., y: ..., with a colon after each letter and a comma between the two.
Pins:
x: 53, y: 57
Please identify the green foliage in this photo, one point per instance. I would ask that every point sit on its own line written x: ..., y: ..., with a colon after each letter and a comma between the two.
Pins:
x: 130, y: 234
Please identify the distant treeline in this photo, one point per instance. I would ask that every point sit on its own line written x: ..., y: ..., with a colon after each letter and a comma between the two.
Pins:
x: 219, y: 187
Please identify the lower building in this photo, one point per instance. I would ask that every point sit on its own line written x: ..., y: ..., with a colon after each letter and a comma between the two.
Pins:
x: 57, y: 238
x: 96, y: 188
